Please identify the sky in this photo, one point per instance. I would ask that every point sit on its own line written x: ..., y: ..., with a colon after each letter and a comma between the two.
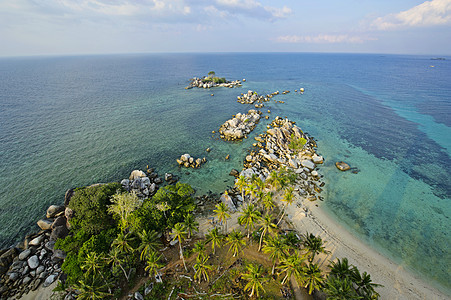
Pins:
x: 65, y: 27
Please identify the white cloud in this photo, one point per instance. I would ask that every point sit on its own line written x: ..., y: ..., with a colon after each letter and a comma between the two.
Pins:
x: 253, y: 9
x: 429, y: 13
x: 323, y: 39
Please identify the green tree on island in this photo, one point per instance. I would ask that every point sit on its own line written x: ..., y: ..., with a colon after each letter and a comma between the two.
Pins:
x: 179, y: 233
x: 314, y: 245
x: 249, y: 217
x: 222, y: 213
x: 149, y: 242
x: 215, y: 238
x: 266, y: 226
x: 339, y: 289
x: 190, y: 225
x: 201, y: 268
x: 313, y: 278
x: 236, y: 242
x: 241, y: 184
x: 116, y: 259
x: 292, y: 265
x: 153, y: 263
x: 255, y: 279
x: 277, y: 250
x: 122, y: 206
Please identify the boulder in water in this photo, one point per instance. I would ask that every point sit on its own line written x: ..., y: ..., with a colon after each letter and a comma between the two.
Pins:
x: 342, y: 166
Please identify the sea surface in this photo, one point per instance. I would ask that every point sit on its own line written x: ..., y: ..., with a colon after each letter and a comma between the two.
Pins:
x: 67, y: 122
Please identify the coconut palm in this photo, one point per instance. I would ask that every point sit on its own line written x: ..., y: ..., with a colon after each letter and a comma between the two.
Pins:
x: 314, y: 245
x: 116, y: 259
x: 241, y: 183
x: 339, y: 289
x: 268, y: 202
x: 274, y: 180
x: 292, y: 265
x: 215, y: 238
x: 199, y: 248
x: 201, y: 268
x: 251, y: 190
x: 222, y: 213
x: 91, y: 289
x: 288, y: 197
x: 255, y: 279
x: 312, y: 279
x: 277, y: 250
x: 190, y: 224
x: 365, y: 287
x: 93, y: 264
x: 266, y: 226
x: 340, y: 269
x: 249, y: 216
x: 123, y: 242
x: 292, y: 240
x: 153, y: 263
x: 236, y: 241
x: 149, y: 242
x: 179, y: 233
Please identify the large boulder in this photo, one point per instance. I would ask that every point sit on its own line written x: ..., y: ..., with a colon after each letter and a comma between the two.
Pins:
x: 317, y: 159
x: 24, y: 254
x: 36, y: 241
x: 68, y: 196
x: 137, y: 174
x: 227, y: 200
x: 44, y: 224
x: 59, y: 232
x: 33, y: 262
x: 54, y: 210
x: 308, y: 164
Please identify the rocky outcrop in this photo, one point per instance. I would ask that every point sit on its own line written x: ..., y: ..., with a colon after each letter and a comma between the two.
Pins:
x: 188, y: 161
x: 239, y: 126
x: 24, y: 270
x: 252, y: 97
x: 210, y: 82
x: 144, y: 186
x: 274, y: 149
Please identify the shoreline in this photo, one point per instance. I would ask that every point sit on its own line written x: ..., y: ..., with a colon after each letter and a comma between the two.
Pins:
x: 398, y: 283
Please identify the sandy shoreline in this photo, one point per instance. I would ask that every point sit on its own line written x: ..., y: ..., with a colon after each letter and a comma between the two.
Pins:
x: 398, y: 283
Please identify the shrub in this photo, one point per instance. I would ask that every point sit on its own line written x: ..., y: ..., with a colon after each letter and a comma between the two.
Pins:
x: 90, y: 207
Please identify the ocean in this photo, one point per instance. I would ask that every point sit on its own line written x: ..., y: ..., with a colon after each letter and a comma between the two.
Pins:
x: 71, y: 121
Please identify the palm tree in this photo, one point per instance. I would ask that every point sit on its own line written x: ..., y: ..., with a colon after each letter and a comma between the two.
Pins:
x: 277, y: 250
x: 215, y: 237
x: 274, y: 180
x: 255, y: 279
x: 149, y: 242
x: 313, y: 279
x: 123, y: 242
x: 267, y: 226
x: 201, y: 268
x: 91, y: 289
x: 292, y: 265
x: 122, y: 206
x: 222, y: 214
x: 288, y: 199
x: 365, y: 287
x: 314, y: 245
x: 191, y: 225
x: 339, y: 289
x: 340, y: 269
x: 179, y: 233
x: 153, y: 263
x: 241, y: 183
x: 199, y: 248
x: 252, y: 190
x: 292, y: 240
x: 116, y: 258
x: 249, y: 216
x: 236, y: 241
x: 268, y: 202
x: 94, y: 264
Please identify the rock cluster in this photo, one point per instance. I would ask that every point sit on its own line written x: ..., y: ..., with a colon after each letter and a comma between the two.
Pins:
x: 275, y: 151
x: 146, y: 185
x: 252, y: 97
x: 206, y: 83
x: 239, y: 126
x: 187, y: 161
x: 35, y: 261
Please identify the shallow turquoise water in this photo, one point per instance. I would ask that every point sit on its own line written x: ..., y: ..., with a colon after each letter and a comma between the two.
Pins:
x: 73, y: 121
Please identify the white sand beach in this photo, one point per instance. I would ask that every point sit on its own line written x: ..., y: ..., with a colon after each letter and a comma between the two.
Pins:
x: 397, y: 282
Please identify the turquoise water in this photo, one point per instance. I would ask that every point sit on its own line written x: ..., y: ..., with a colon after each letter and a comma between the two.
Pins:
x: 72, y: 121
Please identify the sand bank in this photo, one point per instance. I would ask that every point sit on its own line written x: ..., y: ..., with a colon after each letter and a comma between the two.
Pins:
x: 397, y: 282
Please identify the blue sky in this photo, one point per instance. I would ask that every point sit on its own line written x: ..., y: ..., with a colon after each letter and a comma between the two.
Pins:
x: 47, y: 27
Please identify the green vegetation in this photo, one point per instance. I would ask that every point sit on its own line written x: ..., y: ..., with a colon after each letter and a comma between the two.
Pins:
x: 297, y: 143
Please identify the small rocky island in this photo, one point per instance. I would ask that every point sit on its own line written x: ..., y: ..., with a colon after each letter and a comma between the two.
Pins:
x: 212, y: 80
x: 239, y: 126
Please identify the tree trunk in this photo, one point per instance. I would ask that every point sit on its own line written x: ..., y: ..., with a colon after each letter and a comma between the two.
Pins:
x: 261, y: 239
x: 283, y: 213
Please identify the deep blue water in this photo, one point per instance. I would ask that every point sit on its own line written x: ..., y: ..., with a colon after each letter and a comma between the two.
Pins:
x: 72, y: 121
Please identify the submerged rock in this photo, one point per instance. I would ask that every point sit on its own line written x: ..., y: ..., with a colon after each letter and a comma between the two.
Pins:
x: 342, y: 166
